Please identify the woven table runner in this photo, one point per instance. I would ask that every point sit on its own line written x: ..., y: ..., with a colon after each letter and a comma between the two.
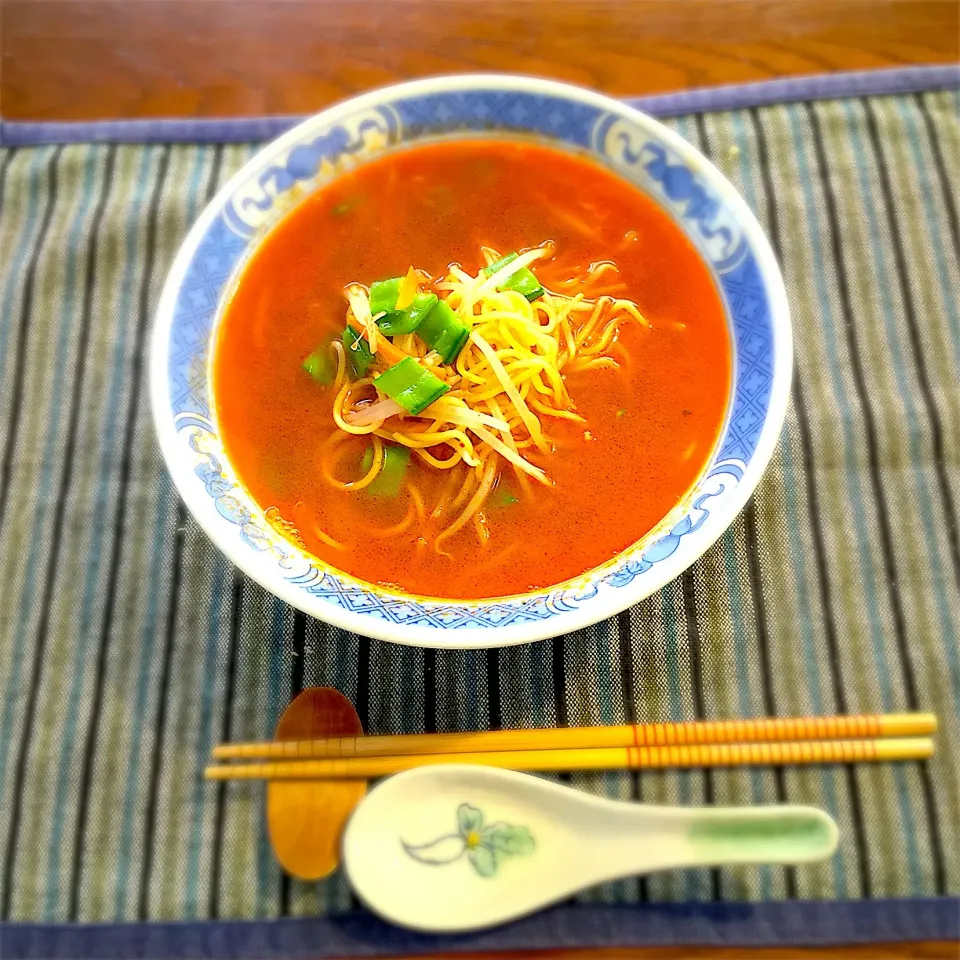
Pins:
x: 129, y: 646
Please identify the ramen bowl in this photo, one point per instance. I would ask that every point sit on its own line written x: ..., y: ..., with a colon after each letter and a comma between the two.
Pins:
x: 636, y: 148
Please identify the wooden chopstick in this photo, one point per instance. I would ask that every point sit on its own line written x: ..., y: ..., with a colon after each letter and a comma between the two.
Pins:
x: 627, y: 735
x: 602, y: 758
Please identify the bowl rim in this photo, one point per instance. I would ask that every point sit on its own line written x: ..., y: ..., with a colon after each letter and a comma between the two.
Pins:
x: 604, y: 604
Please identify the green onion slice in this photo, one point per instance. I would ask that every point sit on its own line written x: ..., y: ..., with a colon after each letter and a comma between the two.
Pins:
x: 412, y: 386
x: 387, y: 482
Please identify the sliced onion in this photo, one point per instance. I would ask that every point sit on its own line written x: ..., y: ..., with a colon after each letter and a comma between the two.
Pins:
x: 380, y: 410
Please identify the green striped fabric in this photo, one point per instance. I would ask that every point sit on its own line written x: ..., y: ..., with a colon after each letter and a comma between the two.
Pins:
x: 129, y: 646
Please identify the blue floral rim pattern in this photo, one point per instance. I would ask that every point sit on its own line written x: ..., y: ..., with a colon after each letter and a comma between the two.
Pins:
x: 637, y: 149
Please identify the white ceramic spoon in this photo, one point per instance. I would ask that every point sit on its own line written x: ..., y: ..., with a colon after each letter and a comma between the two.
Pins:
x: 453, y: 848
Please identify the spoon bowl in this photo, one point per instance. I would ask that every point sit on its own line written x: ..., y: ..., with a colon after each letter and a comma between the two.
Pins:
x: 456, y: 848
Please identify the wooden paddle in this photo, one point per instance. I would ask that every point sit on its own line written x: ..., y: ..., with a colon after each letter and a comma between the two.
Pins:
x: 305, y: 818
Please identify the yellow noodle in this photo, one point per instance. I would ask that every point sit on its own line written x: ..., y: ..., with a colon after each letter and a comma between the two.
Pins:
x: 555, y: 380
x: 511, y: 455
x: 425, y: 438
x: 490, y: 562
x: 447, y: 464
x: 456, y: 411
x: 476, y: 502
x: 341, y: 365
x: 609, y: 290
x: 468, y: 484
x: 606, y: 338
x: 506, y: 378
x: 556, y: 412
x: 628, y: 306
x: 418, y: 502
x: 531, y: 422
x: 508, y: 439
x: 338, y: 406
x: 489, y: 284
x: 601, y: 267
x: 366, y: 479
x: 581, y: 365
x: 396, y: 529
x: 621, y: 351
x: 584, y: 332
x: 445, y: 494
x: 569, y: 343
x: 480, y: 524
x: 328, y: 540
x: 522, y: 336
x: 572, y: 305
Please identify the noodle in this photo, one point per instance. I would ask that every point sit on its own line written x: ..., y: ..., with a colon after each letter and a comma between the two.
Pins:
x: 606, y: 338
x: 341, y: 365
x: 465, y: 490
x: 506, y: 380
x: 480, y: 524
x: 553, y: 412
x: 584, y: 332
x: 445, y: 495
x: 531, y: 422
x: 387, y: 532
x: 360, y: 307
x: 368, y: 478
x: 447, y: 464
x: 328, y: 540
x: 597, y: 364
x: 418, y: 502
x: 338, y: 406
x: 476, y: 502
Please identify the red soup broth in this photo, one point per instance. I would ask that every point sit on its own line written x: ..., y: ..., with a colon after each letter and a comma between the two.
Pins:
x: 651, y: 426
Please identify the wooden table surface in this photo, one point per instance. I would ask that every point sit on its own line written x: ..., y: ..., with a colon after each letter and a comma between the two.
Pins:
x: 97, y: 59
x: 108, y: 59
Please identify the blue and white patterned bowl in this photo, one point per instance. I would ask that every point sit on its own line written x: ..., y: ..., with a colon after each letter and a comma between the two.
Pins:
x: 638, y: 149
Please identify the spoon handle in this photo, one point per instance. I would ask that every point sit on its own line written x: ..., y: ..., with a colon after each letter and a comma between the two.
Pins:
x: 665, y: 838
x: 774, y: 835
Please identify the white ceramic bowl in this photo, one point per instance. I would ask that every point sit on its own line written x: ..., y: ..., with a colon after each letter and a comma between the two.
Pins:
x: 637, y: 148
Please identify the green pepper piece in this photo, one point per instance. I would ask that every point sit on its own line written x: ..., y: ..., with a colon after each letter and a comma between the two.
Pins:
x: 383, y: 295
x: 357, y: 352
x: 387, y: 481
x: 398, y: 322
x: 412, y: 386
x: 319, y: 365
x: 443, y: 331
x: 523, y: 281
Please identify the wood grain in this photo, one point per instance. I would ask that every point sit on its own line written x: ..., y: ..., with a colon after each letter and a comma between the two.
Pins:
x: 95, y: 59
x: 305, y: 819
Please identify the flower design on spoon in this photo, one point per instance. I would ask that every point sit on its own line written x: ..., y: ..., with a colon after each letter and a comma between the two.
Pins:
x: 483, y: 846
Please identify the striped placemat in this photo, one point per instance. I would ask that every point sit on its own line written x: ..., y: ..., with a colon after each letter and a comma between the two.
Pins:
x: 129, y: 646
